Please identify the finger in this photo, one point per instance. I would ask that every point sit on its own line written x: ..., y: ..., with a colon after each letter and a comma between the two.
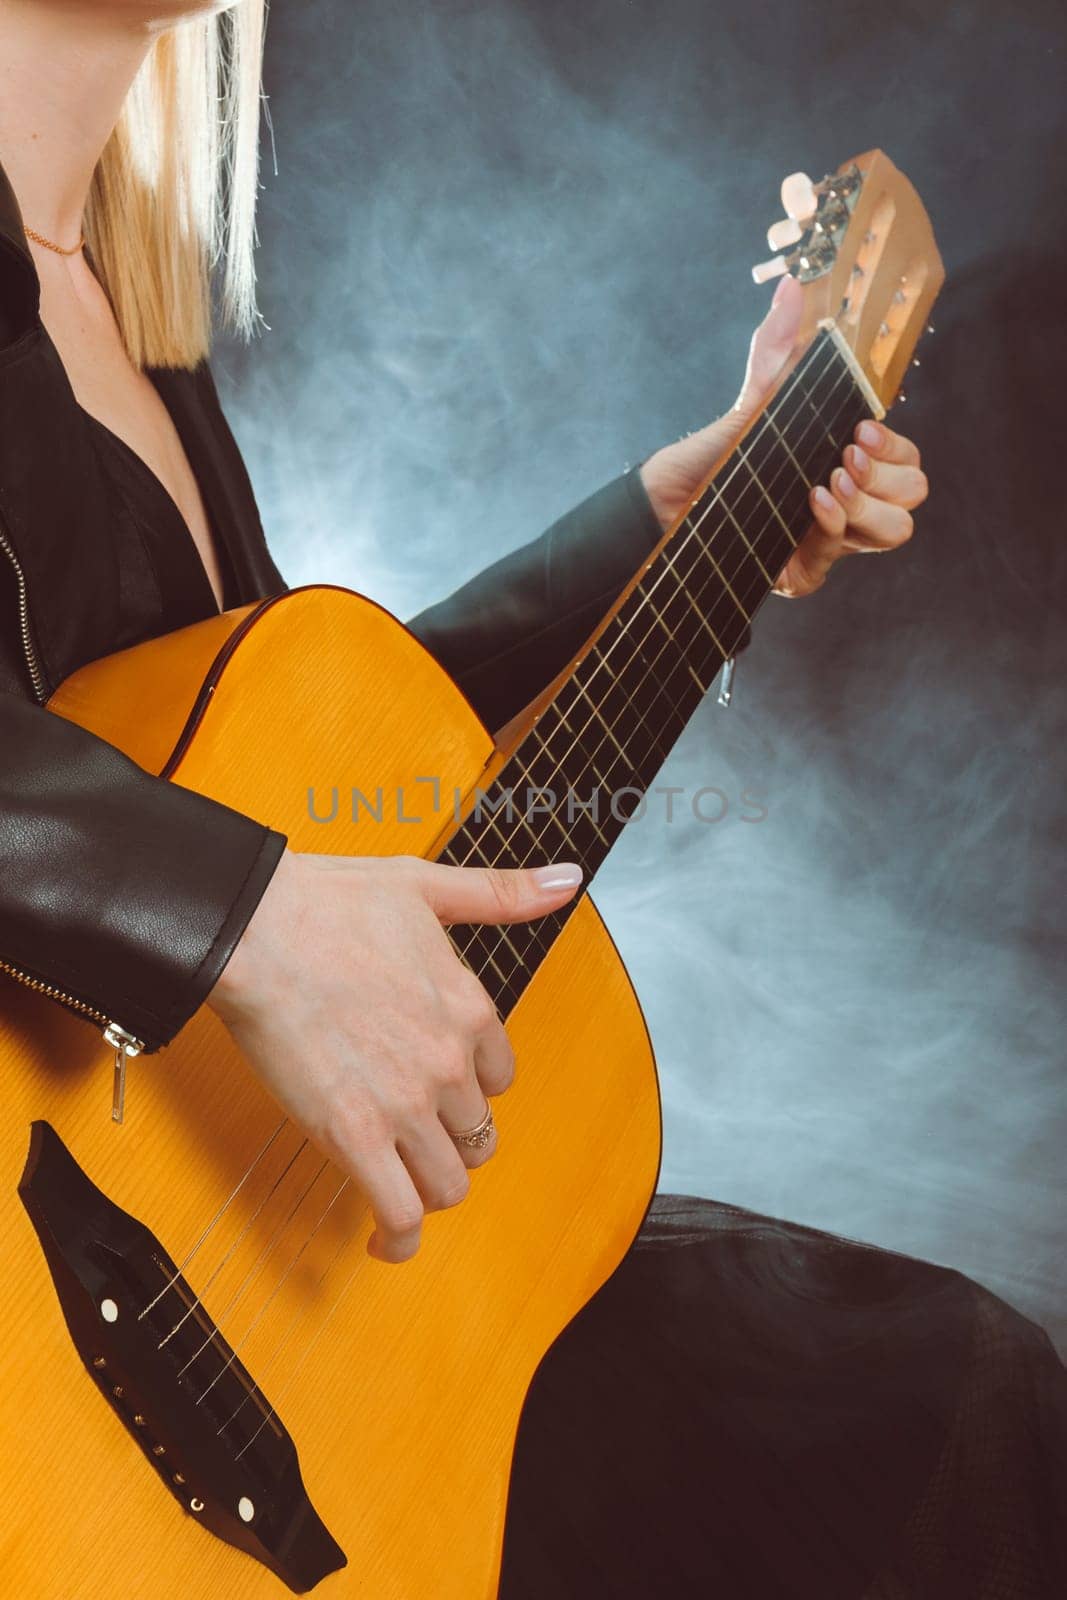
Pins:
x: 497, y: 894
x: 880, y: 441
x: 434, y: 1162
x: 821, y: 546
x: 771, y: 343
x: 901, y: 485
x: 874, y: 524
x: 494, y: 1061
x: 395, y: 1201
x: 472, y: 1155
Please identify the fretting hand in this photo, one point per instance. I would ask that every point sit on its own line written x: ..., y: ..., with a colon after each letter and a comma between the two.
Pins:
x: 868, y: 503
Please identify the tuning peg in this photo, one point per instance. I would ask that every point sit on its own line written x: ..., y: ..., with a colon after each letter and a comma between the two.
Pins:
x: 782, y: 234
x: 769, y: 269
x: 799, y: 199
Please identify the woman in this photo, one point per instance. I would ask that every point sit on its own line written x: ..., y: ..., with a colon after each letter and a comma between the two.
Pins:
x: 828, y: 1388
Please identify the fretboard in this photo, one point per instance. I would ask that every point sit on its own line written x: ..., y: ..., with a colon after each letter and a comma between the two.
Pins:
x: 584, y: 768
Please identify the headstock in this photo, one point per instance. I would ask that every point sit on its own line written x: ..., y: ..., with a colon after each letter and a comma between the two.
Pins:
x: 862, y: 243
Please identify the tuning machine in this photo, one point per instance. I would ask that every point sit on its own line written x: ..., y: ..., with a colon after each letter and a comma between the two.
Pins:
x: 816, y: 217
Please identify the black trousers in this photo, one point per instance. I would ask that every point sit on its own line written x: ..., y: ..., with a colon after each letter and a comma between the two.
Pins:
x: 753, y: 1410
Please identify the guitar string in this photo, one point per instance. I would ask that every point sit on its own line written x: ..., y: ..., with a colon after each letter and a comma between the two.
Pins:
x: 261, y: 1313
x: 253, y: 1271
x: 236, y: 1243
x: 602, y: 770
x: 801, y: 372
x: 211, y: 1225
x: 663, y: 688
x: 299, y: 1316
x: 671, y: 554
x: 301, y: 1310
x: 499, y: 940
x: 279, y: 1350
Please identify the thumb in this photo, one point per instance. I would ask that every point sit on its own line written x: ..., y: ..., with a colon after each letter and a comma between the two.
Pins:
x: 771, y: 345
x: 497, y: 894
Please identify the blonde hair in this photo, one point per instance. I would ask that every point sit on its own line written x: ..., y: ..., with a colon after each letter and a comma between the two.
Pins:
x: 173, y: 200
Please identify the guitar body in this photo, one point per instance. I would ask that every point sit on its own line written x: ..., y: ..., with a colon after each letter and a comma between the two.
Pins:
x: 401, y: 1386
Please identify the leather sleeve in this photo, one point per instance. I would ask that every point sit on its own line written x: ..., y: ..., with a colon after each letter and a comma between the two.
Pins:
x: 505, y: 634
x: 118, y: 888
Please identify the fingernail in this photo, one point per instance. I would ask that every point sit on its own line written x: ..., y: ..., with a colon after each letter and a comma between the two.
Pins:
x: 845, y: 484
x: 559, y: 875
x: 781, y: 291
x: 825, y: 498
x: 870, y: 433
x: 860, y: 459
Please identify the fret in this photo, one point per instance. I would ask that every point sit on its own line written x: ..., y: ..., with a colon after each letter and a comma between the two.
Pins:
x: 821, y: 415
x: 487, y: 939
x: 685, y: 587
x: 596, y: 748
x: 536, y: 849
x: 720, y: 570
x: 794, y: 539
x: 658, y: 648
x: 769, y: 456
x: 529, y: 942
x: 633, y: 655
x: 599, y: 718
x: 567, y: 760
x: 618, y: 695
x: 721, y: 556
x: 482, y: 958
x: 781, y: 438
x: 514, y: 834
x: 719, y: 619
x: 617, y: 772
x: 474, y: 951
x: 612, y: 768
x: 739, y: 530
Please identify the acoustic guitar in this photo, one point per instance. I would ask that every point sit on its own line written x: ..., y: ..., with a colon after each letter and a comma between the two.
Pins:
x: 208, y: 1387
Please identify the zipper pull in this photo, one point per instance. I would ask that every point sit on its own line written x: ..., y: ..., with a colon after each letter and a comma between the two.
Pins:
x: 726, y: 687
x: 125, y: 1046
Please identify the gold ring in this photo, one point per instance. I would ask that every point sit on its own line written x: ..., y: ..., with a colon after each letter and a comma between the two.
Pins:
x: 477, y: 1138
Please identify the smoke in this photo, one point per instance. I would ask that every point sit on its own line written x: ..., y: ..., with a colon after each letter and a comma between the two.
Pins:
x: 506, y: 254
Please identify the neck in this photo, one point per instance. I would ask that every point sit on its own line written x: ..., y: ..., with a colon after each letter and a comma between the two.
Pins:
x: 64, y: 74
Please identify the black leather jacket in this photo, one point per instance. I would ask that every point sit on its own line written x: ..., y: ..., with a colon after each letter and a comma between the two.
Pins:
x: 121, y: 892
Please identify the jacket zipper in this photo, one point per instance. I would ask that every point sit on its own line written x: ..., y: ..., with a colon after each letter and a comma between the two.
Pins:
x: 33, y: 665
x: 125, y: 1043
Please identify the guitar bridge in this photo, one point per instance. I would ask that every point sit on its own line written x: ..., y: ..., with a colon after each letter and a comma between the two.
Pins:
x: 211, y: 1435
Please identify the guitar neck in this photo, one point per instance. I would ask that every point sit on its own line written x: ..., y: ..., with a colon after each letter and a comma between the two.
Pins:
x: 585, y: 766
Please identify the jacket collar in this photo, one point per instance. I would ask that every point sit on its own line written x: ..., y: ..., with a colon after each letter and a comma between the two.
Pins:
x: 13, y: 240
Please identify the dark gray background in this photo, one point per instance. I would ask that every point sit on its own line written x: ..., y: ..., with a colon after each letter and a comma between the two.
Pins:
x: 506, y: 253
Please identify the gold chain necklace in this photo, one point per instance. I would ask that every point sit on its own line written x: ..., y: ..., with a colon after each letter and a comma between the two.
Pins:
x: 39, y: 238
